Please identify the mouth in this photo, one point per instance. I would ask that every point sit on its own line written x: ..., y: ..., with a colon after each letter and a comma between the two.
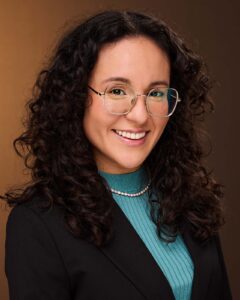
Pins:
x: 131, y: 135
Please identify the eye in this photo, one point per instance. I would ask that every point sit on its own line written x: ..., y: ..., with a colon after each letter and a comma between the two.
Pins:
x: 117, y: 91
x: 157, y: 93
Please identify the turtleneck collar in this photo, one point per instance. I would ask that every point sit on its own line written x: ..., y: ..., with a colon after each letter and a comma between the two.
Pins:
x: 127, y: 182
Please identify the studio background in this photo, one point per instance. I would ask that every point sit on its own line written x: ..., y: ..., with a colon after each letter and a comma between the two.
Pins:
x: 29, y: 31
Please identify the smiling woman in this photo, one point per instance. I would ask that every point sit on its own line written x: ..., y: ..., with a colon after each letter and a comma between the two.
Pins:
x: 120, y: 205
x: 134, y: 63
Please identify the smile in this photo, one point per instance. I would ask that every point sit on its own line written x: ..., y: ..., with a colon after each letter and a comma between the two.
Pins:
x: 131, y: 135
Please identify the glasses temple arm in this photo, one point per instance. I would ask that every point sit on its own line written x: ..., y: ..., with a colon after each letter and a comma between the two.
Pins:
x: 96, y: 92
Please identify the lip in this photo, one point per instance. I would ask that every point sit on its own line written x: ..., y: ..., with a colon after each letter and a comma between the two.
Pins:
x: 130, y: 142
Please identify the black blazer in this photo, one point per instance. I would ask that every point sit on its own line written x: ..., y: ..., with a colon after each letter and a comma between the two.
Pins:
x: 45, y: 262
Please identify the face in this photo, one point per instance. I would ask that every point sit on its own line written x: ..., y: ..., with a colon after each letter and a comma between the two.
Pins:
x: 140, y: 62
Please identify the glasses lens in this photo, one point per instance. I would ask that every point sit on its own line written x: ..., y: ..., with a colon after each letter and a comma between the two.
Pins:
x: 118, y: 99
x: 162, y: 101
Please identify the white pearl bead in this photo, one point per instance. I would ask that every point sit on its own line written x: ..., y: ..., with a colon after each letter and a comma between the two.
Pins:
x: 131, y: 195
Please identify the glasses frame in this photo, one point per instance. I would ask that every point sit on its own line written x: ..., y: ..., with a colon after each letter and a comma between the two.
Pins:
x: 134, y: 100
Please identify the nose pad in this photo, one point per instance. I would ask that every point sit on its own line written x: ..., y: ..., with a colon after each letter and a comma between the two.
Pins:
x: 134, y: 100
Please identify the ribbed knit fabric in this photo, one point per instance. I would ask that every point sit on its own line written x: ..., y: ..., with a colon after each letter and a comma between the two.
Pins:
x: 173, y: 258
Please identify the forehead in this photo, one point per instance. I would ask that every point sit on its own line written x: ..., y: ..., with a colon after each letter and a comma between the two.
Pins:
x: 137, y: 58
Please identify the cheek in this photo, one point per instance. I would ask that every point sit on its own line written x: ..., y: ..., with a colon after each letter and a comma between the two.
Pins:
x: 96, y: 122
x: 90, y: 120
x: 160, y: 126
x: 91, y: 125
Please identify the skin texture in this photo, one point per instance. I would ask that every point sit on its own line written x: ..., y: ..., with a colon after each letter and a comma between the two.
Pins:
x: 142, y: 62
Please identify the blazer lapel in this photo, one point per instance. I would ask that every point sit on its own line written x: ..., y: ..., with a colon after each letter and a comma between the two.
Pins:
x: 203, y: 258
x: 130, y: 255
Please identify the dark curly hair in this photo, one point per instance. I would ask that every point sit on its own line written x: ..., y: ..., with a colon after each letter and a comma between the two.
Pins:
x: 56, y: 150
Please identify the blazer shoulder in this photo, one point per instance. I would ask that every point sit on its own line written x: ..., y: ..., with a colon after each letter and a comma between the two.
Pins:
x: 30, y: 222
x: 33, y: 262
x: 46, y: 221
x: 34, y: 209
x: 28, y: 217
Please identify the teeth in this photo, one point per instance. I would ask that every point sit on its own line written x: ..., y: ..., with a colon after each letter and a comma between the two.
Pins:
x: 133, y: 136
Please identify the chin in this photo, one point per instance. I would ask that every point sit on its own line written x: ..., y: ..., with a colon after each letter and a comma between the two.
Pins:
x: 130, y: 167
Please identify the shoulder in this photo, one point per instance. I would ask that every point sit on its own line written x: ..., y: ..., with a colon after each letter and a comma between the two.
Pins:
x: 28, y: 223
x: 33, y: 260
x: 32, y: 223
x: 38, y: 235
x: 31, y: 226
x: 32, y: 213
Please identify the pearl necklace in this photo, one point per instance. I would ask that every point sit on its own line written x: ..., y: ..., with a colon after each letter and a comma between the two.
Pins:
x: 131, y: 195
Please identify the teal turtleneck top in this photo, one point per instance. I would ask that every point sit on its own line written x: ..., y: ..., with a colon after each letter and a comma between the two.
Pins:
x: 173, y: 258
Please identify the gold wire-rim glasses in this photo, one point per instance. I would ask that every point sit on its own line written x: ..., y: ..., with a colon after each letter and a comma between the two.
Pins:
x: 134, y: 101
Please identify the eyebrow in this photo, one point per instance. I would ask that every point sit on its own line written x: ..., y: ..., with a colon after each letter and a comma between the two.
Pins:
x: 126, y: 80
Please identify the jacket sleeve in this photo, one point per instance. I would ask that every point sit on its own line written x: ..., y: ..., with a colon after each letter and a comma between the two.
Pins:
x: 33, y: 264
x: 226, y: 291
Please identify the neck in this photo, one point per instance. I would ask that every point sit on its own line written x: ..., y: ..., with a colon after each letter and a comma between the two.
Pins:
x: 131, y: 182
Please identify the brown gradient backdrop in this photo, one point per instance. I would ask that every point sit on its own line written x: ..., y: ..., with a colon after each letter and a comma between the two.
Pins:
x: 29, y: 30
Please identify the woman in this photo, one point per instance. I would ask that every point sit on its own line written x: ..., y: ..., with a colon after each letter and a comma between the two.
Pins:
x: 120, y: 205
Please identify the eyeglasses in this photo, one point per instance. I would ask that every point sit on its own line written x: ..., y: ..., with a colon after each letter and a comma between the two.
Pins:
x: 120, y: 99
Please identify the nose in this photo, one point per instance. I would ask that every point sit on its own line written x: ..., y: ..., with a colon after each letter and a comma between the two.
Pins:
x: 138, y: 112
